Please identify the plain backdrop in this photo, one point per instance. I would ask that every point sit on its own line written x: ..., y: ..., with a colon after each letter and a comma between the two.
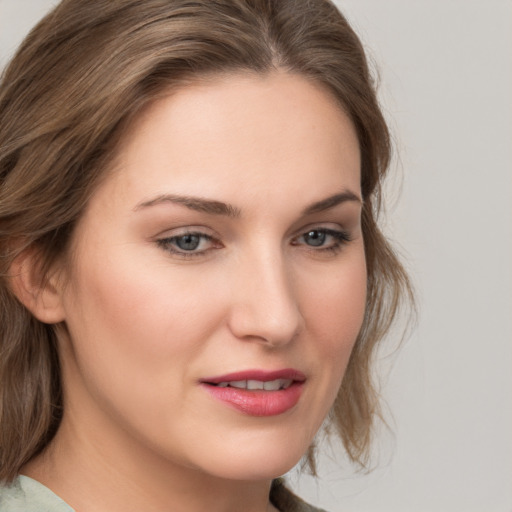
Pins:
x: 445, y: 83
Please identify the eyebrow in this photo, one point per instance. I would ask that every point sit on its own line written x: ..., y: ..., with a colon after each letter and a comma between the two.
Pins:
x: 331, y: 202
x: 198, y: 204
x: 213, y: 207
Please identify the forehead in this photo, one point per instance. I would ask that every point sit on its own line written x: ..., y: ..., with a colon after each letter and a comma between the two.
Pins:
x: 237, y: 132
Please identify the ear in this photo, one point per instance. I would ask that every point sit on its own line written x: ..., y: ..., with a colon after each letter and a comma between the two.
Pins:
x: 40, y: 294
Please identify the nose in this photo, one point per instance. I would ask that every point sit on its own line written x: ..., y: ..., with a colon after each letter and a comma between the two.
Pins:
x: 265, y: 305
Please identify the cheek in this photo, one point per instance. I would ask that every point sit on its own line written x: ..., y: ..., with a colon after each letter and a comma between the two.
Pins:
x: 135, y: 339
x: 138, y: 308
x: 334, y: 306
x: 336, y: 309
x: 133, y: 330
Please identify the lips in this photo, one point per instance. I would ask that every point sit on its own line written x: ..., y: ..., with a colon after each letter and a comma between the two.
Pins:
x: 257, y: 392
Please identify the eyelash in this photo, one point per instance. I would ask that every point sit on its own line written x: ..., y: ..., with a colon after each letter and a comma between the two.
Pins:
x: 169, y: 244
x: 340, y: 238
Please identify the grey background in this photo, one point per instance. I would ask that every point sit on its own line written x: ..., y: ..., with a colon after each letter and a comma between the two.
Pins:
x: 446, y: 77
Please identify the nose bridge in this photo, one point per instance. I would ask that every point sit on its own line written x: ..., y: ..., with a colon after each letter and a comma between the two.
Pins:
x: 265, y: 304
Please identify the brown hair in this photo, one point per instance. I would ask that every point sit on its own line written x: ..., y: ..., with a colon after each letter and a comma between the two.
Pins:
x: 78, y: 79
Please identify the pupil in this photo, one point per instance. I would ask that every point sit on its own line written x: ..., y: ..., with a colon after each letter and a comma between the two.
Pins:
x: 315, y: 238
x: 188, y: 242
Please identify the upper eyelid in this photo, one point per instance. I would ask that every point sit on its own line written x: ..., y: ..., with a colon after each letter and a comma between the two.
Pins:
x: 186, y: 230
x: 210, y: 234
x: 334, y: 227
x: 205, y: 236
x: 342, y: 233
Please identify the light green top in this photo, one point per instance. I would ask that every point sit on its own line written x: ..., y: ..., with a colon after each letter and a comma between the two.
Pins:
x: 27, y: 495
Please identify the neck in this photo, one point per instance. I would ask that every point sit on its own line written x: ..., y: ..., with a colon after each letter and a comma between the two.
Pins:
x: 117, y: 473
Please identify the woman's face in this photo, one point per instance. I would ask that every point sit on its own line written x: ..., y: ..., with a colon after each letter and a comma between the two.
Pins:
x: 224, y: 251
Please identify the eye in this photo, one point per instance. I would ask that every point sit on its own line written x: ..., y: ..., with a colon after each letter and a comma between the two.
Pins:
x: 188, y: 244
x: 315, y: 238
x: 323, y: 239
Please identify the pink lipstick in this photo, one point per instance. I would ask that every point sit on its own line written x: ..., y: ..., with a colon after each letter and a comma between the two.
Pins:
x: 257, y: 392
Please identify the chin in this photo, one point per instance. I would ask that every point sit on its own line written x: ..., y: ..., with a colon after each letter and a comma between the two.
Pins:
x: 254, y: 463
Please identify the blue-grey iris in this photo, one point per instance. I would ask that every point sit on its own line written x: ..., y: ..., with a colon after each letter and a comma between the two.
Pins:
x: 188, y: 242
x: 315, y: 238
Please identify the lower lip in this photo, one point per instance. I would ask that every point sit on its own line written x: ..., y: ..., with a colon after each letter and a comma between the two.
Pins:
x: 257, y: 402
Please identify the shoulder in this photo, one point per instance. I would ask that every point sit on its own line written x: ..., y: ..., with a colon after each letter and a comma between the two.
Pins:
x: 283, y: 499
x: 27, y: 495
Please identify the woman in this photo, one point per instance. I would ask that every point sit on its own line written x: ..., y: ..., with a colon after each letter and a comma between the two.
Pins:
x: 192, y: 274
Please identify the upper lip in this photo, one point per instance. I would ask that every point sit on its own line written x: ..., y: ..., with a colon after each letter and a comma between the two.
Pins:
x: 260, y: 375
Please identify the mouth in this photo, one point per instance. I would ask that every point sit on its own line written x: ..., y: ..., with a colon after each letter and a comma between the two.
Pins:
x: 257, y: 392
x: 251, y: 385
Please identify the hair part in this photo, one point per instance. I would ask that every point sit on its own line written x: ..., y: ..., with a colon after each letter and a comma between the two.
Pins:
x: 78, y: 81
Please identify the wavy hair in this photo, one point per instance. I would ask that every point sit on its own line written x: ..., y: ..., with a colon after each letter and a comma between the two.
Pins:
x: 79, y: 78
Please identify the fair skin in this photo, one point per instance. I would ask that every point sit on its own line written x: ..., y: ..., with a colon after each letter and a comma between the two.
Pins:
x: 274, y: 278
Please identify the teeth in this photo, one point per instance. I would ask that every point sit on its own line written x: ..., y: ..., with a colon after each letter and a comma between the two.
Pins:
x: 271, y: 385
x: 254, y: 384
x: 286, y: 383
x: 274, y: 385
